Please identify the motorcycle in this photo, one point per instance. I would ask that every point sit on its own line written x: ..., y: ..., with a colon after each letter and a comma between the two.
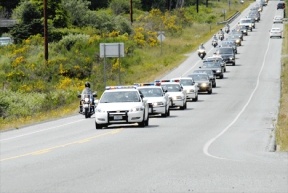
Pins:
x: 227, y: 29
x: 221, y: 36
x: 214, y: 43
x: 201, y: 53
x: 87, y: 105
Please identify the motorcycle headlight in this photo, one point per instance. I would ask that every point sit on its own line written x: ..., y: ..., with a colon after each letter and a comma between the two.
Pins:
x: 238, y: 41
x: 135, y: 109
x: 86, y: 100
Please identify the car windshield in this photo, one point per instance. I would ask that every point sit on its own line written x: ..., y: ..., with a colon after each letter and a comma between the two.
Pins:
x: 211, y: 64
x: 225, y: 51
x: 209, y: 72
x: 245, y: 21
x: 120, y: 96
x: 172, y: 87
x: 151, y: 92
x: 186, y: 82
x: 199, y: 77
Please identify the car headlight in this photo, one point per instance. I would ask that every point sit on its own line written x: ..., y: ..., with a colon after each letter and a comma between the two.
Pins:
x: 179, y: 97
x: 158, y: 104
x: 100, y: 110
x: 135, y: 109
x: 231, y: 58
x: 191, y: 90
x: 238, y: 41
x: 204, y: 84
x: 218, y: 70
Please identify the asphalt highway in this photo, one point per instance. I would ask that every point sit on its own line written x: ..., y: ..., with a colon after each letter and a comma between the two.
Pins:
x: 223, y: 143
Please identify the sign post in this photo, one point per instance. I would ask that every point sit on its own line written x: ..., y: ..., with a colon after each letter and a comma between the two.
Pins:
x: 161, y: 38
x: 111, y: 50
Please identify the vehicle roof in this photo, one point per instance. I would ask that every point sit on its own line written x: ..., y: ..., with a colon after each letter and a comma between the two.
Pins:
x: 186, y: 77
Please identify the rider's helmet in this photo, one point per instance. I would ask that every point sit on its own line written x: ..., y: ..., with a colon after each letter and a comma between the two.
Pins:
x: 87, y: 85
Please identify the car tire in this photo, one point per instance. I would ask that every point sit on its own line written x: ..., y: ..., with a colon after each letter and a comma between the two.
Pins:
x: 221, y: 76
x: 168, y: 112
x: 214, y: 85
x: 147, y: 121
x: 210, y: 91
x: 98, y: 126
x: 195, y: 99
x: 142, y: 123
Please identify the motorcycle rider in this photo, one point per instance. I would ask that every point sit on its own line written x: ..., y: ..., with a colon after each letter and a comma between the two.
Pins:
x: 221, y: 33
x: 227, y: 28
x: 86, y: 91
x: 201, y: 51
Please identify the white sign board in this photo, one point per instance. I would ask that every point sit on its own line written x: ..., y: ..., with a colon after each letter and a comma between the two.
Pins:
x: 112, y: 50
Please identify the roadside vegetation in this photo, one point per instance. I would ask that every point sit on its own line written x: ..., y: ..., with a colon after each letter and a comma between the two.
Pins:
x: 34, y: 90
x: 282, y: 123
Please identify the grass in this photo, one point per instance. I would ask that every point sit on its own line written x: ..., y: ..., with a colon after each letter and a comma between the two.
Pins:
x: 282, y: 123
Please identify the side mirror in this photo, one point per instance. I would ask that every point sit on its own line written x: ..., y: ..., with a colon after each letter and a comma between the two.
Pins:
x: 96, y: 101
x: 200, y: 67
x: 141, y: 95
x: 79, y: 96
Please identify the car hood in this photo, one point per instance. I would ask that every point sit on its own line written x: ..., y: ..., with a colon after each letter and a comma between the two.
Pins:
x: 154, y: 99
x: 119, y: 106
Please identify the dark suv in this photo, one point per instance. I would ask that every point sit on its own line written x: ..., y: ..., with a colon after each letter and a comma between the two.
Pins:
x: 227, y: 53
x: 281, y: 5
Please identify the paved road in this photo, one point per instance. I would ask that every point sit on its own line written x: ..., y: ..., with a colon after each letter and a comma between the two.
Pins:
x: 220, y: 144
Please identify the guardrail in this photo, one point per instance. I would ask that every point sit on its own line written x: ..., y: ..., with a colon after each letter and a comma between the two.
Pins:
x: 230, y: 18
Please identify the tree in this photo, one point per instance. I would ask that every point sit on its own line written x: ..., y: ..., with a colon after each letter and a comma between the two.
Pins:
x: 9, y: 5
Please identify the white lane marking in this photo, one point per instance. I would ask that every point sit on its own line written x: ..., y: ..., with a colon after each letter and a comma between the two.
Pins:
x: 209, y: 143
x: 38, y: 131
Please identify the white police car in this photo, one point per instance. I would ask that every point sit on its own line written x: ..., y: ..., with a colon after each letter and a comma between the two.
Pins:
x: 121, y: 105
x: 156, y: 98
x: 176, y: 93
x: 189, y: 86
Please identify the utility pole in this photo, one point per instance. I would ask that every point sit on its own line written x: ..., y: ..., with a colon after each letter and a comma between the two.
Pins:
x: 131, y: 12
x: 197, y: 6
x: 45, y: 32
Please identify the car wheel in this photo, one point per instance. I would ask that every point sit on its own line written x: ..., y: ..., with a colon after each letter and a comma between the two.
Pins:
x: 195, y: 99
x: 164, y: 114
x: 168, y: 112
x: 147, y: 121
x: 185, y: 105
x: 142, y: 123
x: 233, y: 63
x: 221, y: 76
x: 214, y: 85
x: 210, y: 91
x: 98, y: 126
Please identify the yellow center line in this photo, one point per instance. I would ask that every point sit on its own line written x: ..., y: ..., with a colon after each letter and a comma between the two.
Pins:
x: 46, y: 150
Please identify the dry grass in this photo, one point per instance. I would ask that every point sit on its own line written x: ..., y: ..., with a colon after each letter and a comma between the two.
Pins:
x: 282, y: 124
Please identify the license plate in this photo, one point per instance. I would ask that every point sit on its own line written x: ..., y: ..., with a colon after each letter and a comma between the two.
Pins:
x: 117, y: 117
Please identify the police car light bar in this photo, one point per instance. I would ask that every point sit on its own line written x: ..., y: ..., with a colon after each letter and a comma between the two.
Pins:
x: 119, y: 87
x: 165, y: 80
x: 144, y: 84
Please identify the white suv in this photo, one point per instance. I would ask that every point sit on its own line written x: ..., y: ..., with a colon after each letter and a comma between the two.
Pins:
x: 121, y: 105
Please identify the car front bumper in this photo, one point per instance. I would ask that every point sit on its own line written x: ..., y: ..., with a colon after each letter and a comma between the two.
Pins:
x: 118, y: 117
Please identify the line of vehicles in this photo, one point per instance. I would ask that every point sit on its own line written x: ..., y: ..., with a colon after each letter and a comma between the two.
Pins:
x: 138, y: 102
